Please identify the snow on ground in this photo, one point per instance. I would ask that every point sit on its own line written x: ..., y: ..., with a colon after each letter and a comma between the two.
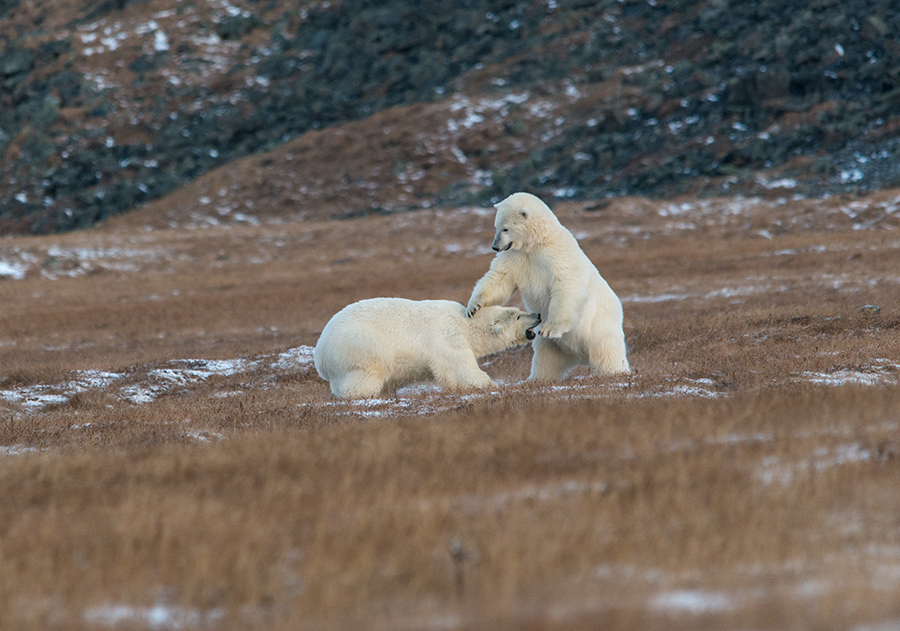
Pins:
x: 693, y: 601
x: 772, y: 469
x: 171, y: 376
x: 880, y: 371
x: 159, y: 616
x: 180, y: 375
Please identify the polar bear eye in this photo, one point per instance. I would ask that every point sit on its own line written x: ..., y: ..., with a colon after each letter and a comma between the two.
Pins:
x: 505, y: 230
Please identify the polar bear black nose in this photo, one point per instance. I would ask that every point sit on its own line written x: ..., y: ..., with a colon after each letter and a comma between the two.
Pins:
x: 529, y: 334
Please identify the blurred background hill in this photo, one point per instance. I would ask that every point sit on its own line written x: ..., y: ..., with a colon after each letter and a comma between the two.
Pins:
x: 213, y: 111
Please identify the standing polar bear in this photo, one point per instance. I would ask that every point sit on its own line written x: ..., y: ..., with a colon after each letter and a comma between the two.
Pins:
x: 581, y: 316
x: 384, y: 343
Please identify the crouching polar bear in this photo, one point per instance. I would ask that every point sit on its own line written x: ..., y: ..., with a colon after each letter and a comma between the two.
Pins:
x: 381, y: 344
x: 581, y: 315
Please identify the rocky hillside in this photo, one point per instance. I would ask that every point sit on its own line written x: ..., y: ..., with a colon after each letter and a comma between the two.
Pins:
x: 268, y: 109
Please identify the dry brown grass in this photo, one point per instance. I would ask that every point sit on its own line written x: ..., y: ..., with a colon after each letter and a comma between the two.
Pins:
x: 743, y: 477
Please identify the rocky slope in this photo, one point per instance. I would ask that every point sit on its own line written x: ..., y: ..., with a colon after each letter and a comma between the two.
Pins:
x: 331, y: 109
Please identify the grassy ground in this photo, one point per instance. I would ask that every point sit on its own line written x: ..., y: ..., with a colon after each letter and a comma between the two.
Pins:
x: 172, y: 460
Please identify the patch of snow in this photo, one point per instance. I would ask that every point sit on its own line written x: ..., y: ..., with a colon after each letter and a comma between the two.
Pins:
x: 294, y: 358
x: 690, y: 391
x: 880, y: 371
x: 155, y: 617
x: 851, y: 175
x: 785, y: 182
x: 458, y: 154
x: 693, y: 601
x: 205, y: 436
x: 34, y: 397
x: 656, y: 298
x: 140, y: 395
x: 17, y: 450
x: 40, y: 396
x: 11, y: 270
x: 772, y: 470
x: 539, y: 493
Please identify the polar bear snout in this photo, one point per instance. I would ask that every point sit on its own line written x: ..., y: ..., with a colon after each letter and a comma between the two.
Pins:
x: 529, y: 332
x: 502, y: 240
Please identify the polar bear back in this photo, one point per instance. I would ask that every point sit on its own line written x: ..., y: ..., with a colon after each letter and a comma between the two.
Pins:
x: 392, y: 331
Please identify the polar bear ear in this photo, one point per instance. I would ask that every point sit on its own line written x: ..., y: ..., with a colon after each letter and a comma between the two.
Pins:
x: 524, y: 214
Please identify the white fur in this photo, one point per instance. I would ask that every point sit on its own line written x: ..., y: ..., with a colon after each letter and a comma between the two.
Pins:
x: 380, y: 344
x: 581, y: 315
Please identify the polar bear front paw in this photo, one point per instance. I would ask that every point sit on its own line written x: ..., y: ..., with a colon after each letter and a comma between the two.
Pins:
x: 473, y: 309
x: 551, y: 331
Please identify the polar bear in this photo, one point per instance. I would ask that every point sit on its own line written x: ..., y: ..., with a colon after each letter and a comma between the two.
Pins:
x: 581, y: 315
x: 380, y: 344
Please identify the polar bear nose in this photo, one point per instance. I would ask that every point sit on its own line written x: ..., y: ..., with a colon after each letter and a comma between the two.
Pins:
x: 529, y: 334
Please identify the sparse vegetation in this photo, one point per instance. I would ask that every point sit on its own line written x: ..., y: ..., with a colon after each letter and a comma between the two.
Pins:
x: 173, y: 461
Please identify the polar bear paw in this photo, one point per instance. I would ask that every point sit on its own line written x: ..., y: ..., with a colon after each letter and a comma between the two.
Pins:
x: 551, y: 330
x: 473, y: 309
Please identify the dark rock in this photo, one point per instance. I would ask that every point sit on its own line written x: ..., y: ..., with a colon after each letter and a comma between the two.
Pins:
x: 107, y: 6
x: 235, y: 27
x: 56, y: 48
x: 147, y: 63
x: 15, y: 60
x: 44, y: 112
x: 69, y: 86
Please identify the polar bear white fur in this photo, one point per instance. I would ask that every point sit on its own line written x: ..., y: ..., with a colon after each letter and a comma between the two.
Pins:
x: 380, y: 344
x: 581, y: 315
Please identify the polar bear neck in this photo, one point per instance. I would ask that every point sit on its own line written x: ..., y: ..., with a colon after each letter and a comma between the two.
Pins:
x: 547, y: 234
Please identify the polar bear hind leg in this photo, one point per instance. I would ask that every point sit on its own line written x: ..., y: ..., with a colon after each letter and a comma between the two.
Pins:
x: 358, y: 384
x: 609, y: 357
x: 550, y: 362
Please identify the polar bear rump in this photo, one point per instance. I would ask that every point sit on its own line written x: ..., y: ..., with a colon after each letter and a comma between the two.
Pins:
x: 381, y: 344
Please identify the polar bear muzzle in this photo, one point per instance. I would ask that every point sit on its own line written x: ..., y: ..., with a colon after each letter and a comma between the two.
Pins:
x: 529, y: 332
x: 502, y: 241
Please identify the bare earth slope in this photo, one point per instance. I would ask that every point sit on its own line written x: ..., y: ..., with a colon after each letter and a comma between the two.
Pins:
x: 171, y: 459
x: 107, y: 106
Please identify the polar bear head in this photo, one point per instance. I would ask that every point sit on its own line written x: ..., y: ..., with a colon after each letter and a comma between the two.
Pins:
x: 497, y: 329
x: 522, y: 220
